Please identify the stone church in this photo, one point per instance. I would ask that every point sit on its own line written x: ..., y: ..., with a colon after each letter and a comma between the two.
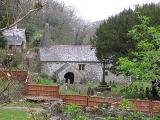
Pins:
x: 71, y: 63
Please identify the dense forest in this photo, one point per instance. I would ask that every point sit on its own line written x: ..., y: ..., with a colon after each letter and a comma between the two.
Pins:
x: 111, y: 37
x: 65, y: 26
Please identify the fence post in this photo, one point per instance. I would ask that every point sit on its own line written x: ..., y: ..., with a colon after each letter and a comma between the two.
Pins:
x: 151, y: 107
x: 26, y: 85
x: 87, y: 100
x: 58, y: 91
x: 26, y: 88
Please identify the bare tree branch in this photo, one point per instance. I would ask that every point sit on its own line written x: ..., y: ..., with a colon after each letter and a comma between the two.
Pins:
x: 19, y: 20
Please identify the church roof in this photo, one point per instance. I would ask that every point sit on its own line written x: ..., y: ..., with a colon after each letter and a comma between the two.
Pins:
x: 15, y: 36
x: 62, y: 68
x: 68, y: 53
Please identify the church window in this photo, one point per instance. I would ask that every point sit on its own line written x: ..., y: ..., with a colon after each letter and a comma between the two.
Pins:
x: 81, y: 66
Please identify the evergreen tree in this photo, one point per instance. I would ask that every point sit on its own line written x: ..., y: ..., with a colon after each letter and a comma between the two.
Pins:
x: 111, y: 37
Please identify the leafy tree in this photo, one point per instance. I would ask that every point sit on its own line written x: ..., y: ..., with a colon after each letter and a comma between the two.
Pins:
x: 111, y: 36
x: 143, y: 63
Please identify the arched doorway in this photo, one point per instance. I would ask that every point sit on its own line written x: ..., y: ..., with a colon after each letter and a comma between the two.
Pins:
x: 69, y: 77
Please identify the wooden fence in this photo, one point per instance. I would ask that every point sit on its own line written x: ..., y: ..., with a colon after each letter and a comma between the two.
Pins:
x: 39, y: 90
x: 95, y: 100
x: 75, y: 99
x: 90, y: 101
x: 15, y: 75
x: 146, y: 106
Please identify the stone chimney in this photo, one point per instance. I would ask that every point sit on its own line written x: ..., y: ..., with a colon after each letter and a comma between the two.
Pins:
x: 46, y: 41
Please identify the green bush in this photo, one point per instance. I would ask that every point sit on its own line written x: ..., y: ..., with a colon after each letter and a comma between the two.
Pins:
x: 44, y: 81
x: 74, y: 112
x: 43, y: 75
x: 126, y: 105
x: 136, y: 89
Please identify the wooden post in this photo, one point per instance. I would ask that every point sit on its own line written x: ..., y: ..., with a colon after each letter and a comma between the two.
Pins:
x: 26, y: 88
x: 26, y: 85
x: 151, y: 107
x: 104, y: 64
x: 87, y: 100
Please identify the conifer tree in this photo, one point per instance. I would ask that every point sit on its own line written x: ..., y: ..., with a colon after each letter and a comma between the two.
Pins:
x: 111, y: 37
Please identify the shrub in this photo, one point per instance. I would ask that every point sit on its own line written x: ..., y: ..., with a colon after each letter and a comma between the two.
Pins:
x: 104, y: 108
x: 74, y: 112
x: 43, y: 75
x: 44, y: 81
x: 126, y: 105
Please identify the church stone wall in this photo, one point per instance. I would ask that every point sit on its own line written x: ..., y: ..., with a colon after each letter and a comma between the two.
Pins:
x: 92, y: 71
x: 50, y: 67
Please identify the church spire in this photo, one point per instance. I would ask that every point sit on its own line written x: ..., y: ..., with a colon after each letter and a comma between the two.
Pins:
x: 46, y: 42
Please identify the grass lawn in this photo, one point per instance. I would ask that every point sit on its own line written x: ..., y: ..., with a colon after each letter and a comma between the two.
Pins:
x: 69, y: 89
x: 45, y: 81
x: 70, y: 92
x: 14, y: 115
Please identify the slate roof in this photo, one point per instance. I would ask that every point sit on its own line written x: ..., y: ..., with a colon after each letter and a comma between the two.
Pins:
x: 68, y: 53
x: 15, y: 36
x: 62, y: 68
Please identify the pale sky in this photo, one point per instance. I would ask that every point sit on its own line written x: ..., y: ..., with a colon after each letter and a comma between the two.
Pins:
x: 94, y: 10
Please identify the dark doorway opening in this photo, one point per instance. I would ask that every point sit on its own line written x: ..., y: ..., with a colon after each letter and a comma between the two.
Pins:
x: 69, y: 77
